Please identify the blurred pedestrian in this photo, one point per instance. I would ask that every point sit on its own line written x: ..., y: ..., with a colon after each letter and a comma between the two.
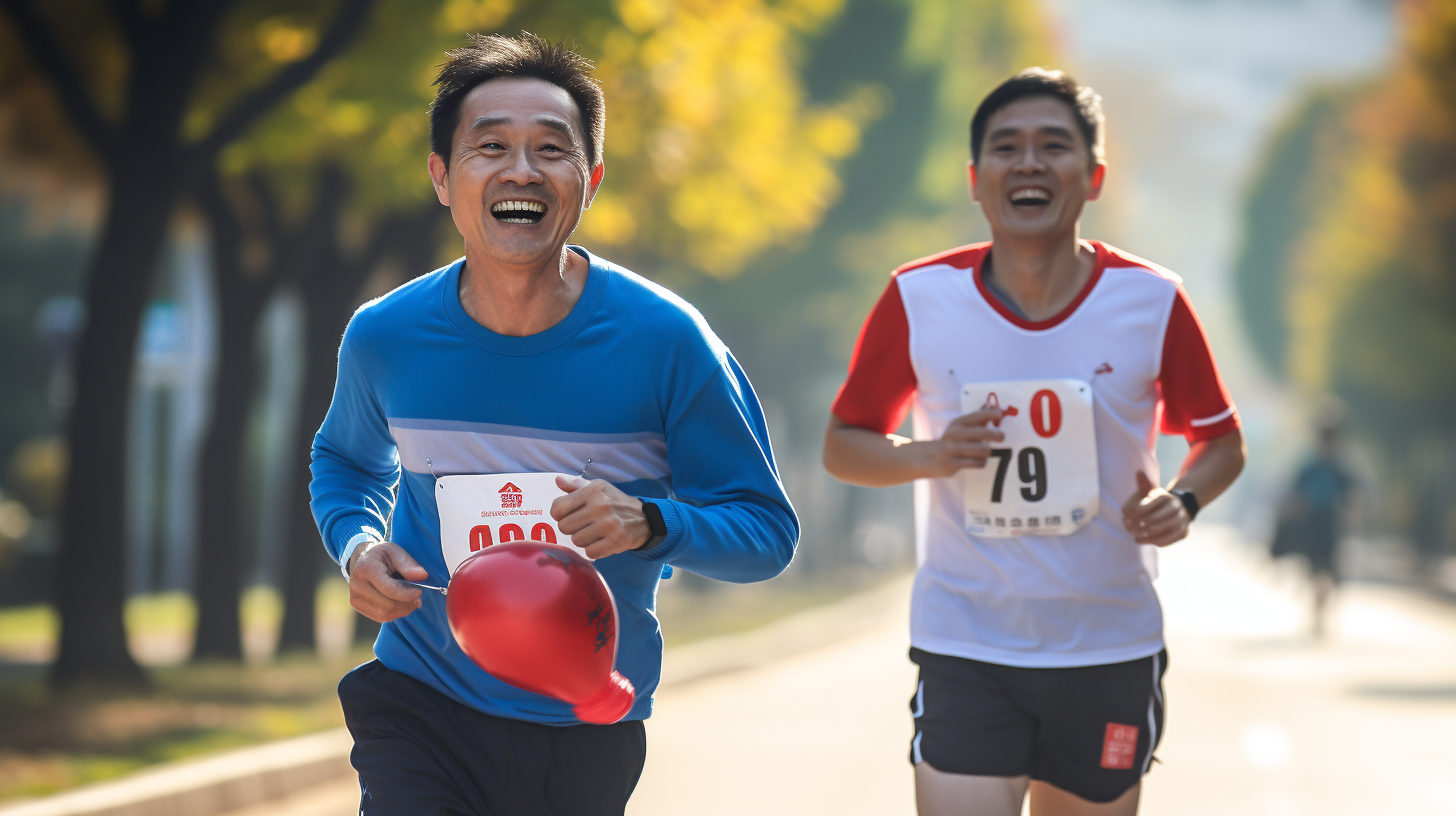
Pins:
x: 1314, y: 511
x: 1038, y: 367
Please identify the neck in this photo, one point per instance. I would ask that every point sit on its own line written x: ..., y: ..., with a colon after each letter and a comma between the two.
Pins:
x: 521, y: 300
x: 1042, y: 277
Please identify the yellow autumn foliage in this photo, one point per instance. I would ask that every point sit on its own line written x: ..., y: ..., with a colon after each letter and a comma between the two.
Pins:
x: 713, y: 151
x: 1372, y: 292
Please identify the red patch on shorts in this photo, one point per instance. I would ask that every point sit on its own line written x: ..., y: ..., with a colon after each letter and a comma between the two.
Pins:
x: 1119, y: 746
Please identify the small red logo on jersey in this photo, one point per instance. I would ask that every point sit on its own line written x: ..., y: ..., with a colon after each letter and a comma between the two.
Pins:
x: 1119, y: 746
x: 1105, y: 368
x: 510, y: 496
x: 993, y: 402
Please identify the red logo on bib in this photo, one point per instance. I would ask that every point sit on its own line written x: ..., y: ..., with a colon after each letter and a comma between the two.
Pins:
x: 993, y: 402
x: 1119, y: 746
x: 510, y: 496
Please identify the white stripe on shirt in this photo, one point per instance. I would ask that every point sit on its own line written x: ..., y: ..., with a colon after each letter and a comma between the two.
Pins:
x: 1219, y: 417
x: 468, y: 447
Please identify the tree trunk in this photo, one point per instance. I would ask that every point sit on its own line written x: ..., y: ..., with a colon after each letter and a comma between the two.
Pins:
x: 327, y: 311
x: 241, y: 298
x: 147, y: 169
x: 90, y: 589
x: 303, y: 550
x: 328, y: 285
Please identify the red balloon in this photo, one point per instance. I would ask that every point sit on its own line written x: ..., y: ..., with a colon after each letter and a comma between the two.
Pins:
x: 540, y: 617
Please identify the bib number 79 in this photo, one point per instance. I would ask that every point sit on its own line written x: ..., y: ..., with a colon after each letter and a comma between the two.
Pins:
x: 1030, y: 468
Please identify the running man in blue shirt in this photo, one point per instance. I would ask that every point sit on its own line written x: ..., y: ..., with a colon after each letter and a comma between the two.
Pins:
x: 527, y: 356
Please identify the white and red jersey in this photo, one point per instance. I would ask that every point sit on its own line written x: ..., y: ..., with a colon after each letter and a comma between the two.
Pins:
x: 1006, y: 593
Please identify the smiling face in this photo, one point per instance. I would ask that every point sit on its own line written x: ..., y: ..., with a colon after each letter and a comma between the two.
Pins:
x: 518, y: 179
x: 1036, y: 172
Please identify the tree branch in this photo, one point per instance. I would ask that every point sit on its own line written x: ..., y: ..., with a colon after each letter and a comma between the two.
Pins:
x: 235, y: 123
x: 74, y: 99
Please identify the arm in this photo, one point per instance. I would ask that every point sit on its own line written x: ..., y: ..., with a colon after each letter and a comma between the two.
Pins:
x: 355, y: 468
x: 1211, y: 466
x: 867, y: 458
x: 731, y: 519
x: 1155, y: 516
x: 1196, y: 405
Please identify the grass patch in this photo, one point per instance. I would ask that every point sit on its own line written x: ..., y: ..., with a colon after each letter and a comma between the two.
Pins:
x: 24, y: 628
x: 56, y: 740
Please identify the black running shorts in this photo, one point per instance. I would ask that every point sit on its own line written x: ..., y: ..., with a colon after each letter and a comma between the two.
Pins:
x: 1089, y: 730
x: 420, y: 753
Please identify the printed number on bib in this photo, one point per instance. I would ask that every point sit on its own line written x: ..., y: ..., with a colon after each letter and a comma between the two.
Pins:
x: 1042, y: 478
x: 479, y: 511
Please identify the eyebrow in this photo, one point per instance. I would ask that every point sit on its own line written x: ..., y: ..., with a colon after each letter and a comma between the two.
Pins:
x: 547, y: 121
x: 1052, y: 130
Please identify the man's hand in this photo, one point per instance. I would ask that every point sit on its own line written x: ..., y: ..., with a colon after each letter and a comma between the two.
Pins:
x: 1153, y: 515
x: 965, y: 443
x: 600, y: 519
x: 373, y: 589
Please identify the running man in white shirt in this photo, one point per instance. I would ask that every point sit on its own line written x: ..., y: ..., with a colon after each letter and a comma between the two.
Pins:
x: 1037, y: 368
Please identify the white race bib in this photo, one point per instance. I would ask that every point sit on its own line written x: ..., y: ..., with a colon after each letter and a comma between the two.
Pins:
x: 1042, y: 478
x: 477, y: 511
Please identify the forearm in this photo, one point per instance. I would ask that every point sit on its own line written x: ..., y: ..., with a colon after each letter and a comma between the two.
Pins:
x: 863, y: 457
x: 1211, y: 466
x: 347, y: 499
x: 740, y: 541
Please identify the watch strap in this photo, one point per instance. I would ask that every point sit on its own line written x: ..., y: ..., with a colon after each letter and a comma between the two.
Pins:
x: 1190, y: 502
x: 656, y: 527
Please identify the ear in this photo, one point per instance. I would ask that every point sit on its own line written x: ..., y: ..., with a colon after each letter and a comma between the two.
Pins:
x: 440, y: 177
x: 1099, y: 174
x: 595, y: 182
x: 971, y: 179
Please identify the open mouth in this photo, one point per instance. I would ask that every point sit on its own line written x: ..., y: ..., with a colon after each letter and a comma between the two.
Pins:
x: 1031, y: 197
x: 518, y: 211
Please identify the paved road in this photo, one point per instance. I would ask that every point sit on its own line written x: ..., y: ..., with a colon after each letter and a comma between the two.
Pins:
x: 1261, y: 720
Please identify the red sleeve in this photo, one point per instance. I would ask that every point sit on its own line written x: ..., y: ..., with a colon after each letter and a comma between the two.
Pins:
x: 1195, y: 402
x: 881, y: 381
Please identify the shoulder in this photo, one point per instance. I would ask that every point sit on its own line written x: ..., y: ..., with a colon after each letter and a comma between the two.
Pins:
x: 1129, y: 267
x: 388, y: 313
x: 949, y: 261
x: 657, y: 310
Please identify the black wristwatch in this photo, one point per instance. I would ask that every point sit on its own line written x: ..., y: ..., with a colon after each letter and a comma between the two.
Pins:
x: 656, y: 527
x: 1190, y: 501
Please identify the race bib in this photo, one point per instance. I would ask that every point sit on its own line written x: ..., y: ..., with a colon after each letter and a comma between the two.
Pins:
x: 477, y: 511
x: 1042, y: 478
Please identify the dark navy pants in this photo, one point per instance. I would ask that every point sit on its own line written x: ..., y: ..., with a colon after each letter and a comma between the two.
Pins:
x: 421, y: 753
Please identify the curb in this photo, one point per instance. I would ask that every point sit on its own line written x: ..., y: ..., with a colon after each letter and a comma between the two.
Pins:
x: 267, y: 773
x: 204, y: 787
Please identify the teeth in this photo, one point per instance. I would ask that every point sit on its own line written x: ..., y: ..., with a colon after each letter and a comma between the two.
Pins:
x: 533, y: 206
x: 1031, y: 193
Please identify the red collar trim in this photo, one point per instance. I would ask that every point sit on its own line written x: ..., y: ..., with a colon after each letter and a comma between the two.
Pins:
x: 1098, y: 264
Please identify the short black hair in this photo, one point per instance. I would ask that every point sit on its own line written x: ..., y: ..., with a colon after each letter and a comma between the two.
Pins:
x: 1086, y: 106
x: 492, y: 56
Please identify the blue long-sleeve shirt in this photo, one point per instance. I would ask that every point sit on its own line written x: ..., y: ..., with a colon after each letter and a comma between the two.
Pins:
x: 633, y: 378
